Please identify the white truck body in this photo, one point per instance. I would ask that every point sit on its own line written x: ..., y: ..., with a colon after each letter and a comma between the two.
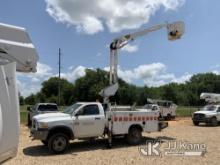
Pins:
x: 94, y: 124
x: 123, y: 120
x: 9, y: 113
x: 17, y: 53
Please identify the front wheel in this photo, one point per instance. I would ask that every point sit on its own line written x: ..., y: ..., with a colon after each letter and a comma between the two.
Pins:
x: 196, y: 123
x: 134, y: 136
x: 58, y: 143
x: 214, y: 122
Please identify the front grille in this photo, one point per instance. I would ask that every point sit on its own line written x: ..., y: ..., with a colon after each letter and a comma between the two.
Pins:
x: 199, y: 116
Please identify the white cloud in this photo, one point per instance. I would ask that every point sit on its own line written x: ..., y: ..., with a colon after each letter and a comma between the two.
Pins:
x: 27, y: 88
x: 43, y: 71
x: 183, y: 78
x: 130, y: 48
x: 91, y: 16
x: 154, y: 74
x: 31, y: 82
x: 74, y: 73
x: 34, y: 79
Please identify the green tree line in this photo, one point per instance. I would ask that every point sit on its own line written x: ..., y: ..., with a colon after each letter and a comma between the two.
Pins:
x: 87, y: 88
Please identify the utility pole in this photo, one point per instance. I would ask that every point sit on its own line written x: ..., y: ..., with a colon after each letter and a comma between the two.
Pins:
x: 59, y: 81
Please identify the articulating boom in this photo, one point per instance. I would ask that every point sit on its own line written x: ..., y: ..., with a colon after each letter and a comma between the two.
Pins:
x: 174, y: 30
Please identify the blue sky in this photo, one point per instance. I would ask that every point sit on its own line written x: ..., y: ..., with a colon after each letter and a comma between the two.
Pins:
x: 84, y: 28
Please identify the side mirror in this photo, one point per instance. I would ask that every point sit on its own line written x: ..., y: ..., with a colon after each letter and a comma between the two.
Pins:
x: 28, y: 108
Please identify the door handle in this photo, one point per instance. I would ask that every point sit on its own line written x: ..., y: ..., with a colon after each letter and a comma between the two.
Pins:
x: 97, y: 118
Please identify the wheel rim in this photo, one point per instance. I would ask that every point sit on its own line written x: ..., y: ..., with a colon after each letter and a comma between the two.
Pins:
x: 135, y: 135
x: 59, y: 143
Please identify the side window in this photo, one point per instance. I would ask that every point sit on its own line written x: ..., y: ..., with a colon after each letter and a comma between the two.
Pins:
x: 218, y: 109
x: 90, y: 110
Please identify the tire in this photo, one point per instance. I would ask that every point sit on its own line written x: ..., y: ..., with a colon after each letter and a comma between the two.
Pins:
x: 214, y: 122
x: 45, y: 142
x: 134, y: 136
x: 29, y: 120
x: 196, y: 123
x: 168, y: 117
x: 58, y: 143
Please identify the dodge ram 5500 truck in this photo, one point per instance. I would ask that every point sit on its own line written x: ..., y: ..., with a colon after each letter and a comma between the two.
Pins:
x: 210, y: 114
x: 85, y: 120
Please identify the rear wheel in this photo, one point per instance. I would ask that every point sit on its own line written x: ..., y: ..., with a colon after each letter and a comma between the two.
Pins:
x: 196, y: 123
x: 168, y: 117
x: 58, y: 143
x: 214, y: 122
x: 134, y: 136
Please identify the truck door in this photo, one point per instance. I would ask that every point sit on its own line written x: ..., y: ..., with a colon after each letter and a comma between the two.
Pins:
x: 89, y: 122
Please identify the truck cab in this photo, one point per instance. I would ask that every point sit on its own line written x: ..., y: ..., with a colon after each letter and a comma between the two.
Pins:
x: 209, y: 114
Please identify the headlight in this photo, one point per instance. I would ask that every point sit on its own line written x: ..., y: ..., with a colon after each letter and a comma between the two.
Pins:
x: 43, y: 125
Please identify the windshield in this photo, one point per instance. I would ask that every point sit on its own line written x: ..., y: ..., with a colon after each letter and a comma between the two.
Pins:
x: 72, y: 108
x: 209, y: 108
x: 148, y: 106
x: 47, y: 107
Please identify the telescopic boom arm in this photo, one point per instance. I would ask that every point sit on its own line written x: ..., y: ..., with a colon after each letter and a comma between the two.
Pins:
x: 174, y: 30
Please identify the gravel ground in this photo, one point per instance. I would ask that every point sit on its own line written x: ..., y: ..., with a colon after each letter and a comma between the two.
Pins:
x: 95, y: 153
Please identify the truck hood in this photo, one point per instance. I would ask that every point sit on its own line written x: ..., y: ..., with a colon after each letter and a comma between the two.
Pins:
x: 52, y: 116
x: 205, y: 112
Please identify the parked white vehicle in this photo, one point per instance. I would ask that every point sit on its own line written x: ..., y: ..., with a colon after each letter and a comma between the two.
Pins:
x: 210, y: 114
x: 40, y: 108
x: 17, y: 53
x: 167, y: 108
x: 85, y: 120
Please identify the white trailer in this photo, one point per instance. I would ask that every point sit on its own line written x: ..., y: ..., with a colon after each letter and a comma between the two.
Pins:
x: 16, y: 53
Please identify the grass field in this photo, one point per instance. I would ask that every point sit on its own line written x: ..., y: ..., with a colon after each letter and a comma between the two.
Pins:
x: 185, y: 111
x: 180, y: 112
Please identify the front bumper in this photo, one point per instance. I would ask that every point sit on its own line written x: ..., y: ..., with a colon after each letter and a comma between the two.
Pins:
x: 162, y: 125
x: 203, y: 120
x: 40, y: 134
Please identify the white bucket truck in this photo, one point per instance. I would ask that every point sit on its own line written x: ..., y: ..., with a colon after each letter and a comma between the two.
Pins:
x: 90, y: 120
x: 209, y: 114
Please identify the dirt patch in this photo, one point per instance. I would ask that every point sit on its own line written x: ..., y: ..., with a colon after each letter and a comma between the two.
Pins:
x: 95, y: 153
